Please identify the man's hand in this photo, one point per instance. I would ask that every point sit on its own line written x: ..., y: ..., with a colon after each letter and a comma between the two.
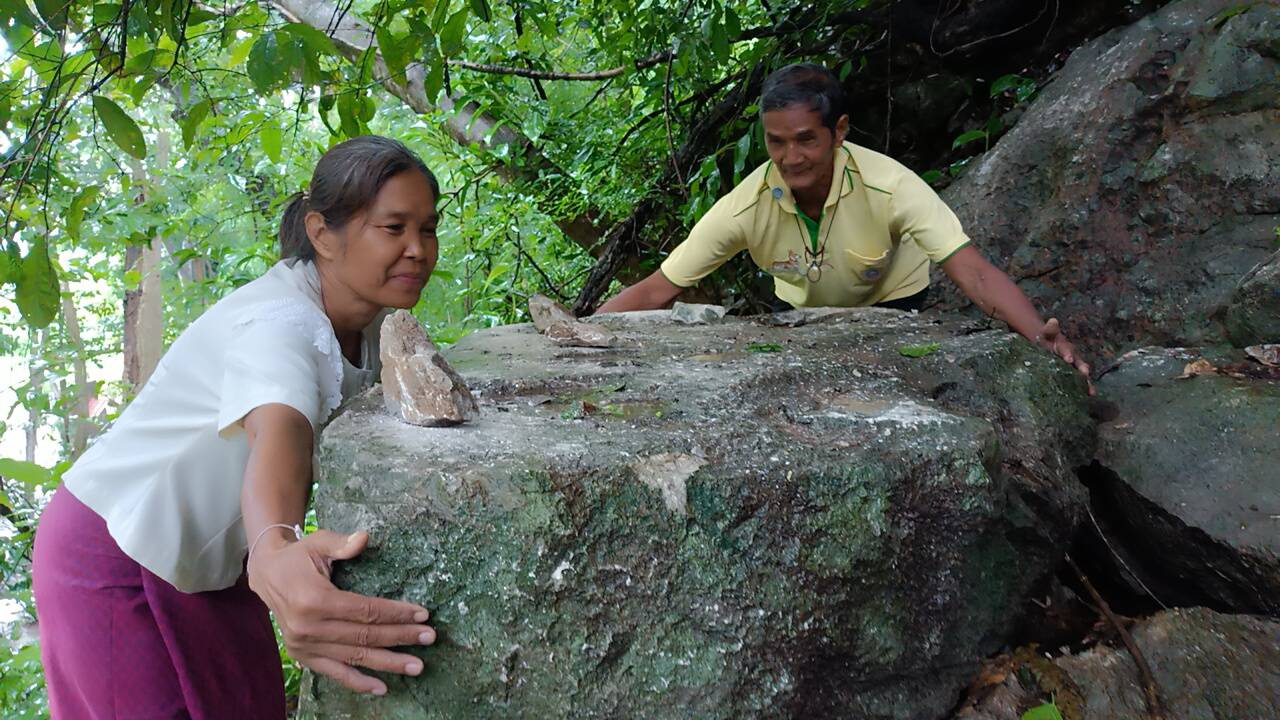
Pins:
x: 1051, y: 338
x: 329, y: 630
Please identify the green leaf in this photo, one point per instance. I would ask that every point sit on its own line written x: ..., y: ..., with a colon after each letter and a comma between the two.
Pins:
x: 741, y: 151
x: 763, y: 347
x: 54, y: 12
x: 37, y: 293
x: 313, y: 39
x: 349, y: 114
x: 433, y: 81
x: 481, y: 9
x: 195, y: 115
x: 75, y: 213
x: 170, y: 17
x: 9, y: 268
x: 439, y: 14
x: 454, y: 32
x: 915, y: 351
x: 124, y: 132
x: 1047, y: 711
x: 19, y: 12
x: 393, y: 52
x: 931, y: 176
x: 272, y: 142
x: 968, y: 137
x: 732, y: 25
x: 264, y: 62
x: 1005, y: 82
x: 27, y: 473
x: 1217, y: 20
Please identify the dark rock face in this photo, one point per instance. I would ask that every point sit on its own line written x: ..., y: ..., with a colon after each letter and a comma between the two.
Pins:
x: 1206, y: 666
x: 733, y: 520
x: 1143, y: 182
x: 1188, y: 484
x: 1252, y: 316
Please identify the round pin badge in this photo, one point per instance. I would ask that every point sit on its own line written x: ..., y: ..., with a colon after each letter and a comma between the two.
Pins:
x: 777, y: 193
x: 871, y: 273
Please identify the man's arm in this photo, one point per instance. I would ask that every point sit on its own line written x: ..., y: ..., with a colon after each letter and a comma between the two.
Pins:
x: 650, y: 293
x: 999, y: 297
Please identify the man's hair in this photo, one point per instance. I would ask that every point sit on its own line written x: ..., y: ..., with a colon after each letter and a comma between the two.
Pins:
x: 807, y: 84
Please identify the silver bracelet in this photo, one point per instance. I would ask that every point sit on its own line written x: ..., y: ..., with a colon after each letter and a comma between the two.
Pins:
x: 297, y: 533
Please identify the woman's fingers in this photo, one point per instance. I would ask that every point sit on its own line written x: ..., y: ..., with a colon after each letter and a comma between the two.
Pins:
x: 345, y: 675
x: 379, y: 659
x: 365, y: 635
x: 352, y: 607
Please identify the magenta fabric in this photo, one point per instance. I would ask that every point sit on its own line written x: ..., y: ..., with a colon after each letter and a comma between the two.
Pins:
x: 119, y: 642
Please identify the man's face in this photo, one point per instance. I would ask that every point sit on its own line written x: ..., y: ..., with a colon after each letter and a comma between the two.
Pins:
x: 801, y: 147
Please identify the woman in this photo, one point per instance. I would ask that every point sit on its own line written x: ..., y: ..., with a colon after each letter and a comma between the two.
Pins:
x: 158, y: 558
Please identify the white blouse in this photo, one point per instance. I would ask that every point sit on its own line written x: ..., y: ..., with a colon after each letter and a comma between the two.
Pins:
x: 167, y: 475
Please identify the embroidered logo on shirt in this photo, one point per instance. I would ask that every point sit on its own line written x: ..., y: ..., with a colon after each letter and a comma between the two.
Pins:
x: 794, y: 265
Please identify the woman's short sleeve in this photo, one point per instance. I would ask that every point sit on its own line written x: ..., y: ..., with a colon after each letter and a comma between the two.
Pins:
x: 283, y: 356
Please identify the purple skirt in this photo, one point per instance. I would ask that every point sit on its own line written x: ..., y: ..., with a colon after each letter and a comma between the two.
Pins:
x: 119, y: 642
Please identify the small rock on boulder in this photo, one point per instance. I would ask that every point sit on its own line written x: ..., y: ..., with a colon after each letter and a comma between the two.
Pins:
x: 418, y: 386
x: 560, y: 326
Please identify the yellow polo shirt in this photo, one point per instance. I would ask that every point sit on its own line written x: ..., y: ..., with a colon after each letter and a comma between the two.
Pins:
x: 880, y: 227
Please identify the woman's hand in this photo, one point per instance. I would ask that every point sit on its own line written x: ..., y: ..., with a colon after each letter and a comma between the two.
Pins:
x: 328, y: 630
x: 1051, y: 338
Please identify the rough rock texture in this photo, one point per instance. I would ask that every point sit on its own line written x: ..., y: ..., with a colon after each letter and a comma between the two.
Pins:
x: 1188, y: 481
x: 560, y: 326
x: 1252, y: 316
x: 1142, y: 184
x: 419, y: 387
x: 1206, y: 666
x: 723, y: 521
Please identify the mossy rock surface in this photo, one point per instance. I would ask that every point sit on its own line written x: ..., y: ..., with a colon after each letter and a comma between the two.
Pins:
x: 685, y: 527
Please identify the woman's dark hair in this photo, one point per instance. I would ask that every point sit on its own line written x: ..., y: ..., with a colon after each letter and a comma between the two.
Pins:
x: 345, y: 181
x: 807, y: 84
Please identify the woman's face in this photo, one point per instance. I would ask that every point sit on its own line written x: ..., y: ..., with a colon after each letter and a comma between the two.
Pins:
x: 386, y: 252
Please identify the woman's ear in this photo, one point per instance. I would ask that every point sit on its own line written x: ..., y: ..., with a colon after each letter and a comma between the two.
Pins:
x: 324, y: 240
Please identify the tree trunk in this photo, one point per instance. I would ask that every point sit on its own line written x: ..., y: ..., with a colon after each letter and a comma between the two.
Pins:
x: 466, y: 124
x: 144, y: 306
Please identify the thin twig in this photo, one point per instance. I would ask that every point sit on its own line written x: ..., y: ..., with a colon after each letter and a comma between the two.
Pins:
x: 1155, y: 709
x: 666, y: 119
x: 1123, y: 564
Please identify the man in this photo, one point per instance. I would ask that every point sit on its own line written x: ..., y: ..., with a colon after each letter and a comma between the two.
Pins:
x: 837, y: 224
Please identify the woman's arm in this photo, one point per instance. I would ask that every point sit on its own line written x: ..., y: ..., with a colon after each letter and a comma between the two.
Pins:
x: 1000, y: 298
x: 326, y: 629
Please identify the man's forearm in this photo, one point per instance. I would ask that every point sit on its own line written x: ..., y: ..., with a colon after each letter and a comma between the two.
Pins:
x: 1000, y: 298
x: 650, y: 293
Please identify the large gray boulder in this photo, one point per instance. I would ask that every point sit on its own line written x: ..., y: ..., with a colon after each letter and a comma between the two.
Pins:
x: 1142, y: 183
x: 1187, y: 485
x: 732, y: 520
